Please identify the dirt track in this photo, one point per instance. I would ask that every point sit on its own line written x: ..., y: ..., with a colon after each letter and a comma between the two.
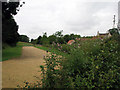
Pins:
x: 27, y: 67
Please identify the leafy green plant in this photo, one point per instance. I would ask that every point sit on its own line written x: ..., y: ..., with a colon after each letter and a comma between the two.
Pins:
x: 94, y: 65
x: 66, y: 48
x: 51, y: 74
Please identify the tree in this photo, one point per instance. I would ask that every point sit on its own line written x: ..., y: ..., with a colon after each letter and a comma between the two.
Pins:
x: 72, y: 36
x: 60, y: 40
x: 113, y: 31
x: 23, y: 38
x: 52, y: 38
x: 59, y: 37
x: 32, y: 40
x: 59, y: 33
x: 39, y: 40
x: 67, y: 38
x: 44, y: 39
x: 10, y: 34
x: 45, y: 35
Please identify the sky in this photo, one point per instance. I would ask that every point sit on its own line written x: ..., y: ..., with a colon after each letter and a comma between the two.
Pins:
x: 83, y: 17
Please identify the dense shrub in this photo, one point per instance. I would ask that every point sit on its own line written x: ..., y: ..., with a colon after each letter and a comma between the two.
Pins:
x: 63, y: 47
x: 102, y: 69
x: 66, y: 48
x: 94, y: 64
x: 51, y: 73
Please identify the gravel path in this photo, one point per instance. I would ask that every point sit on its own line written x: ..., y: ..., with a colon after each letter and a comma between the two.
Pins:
x: 27, y: 67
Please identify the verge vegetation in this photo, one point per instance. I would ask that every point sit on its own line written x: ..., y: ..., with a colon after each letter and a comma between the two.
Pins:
x: 90, y: 64
x: 13, y: 52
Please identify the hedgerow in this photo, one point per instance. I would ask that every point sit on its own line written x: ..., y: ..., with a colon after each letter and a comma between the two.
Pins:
x: 95, y: 64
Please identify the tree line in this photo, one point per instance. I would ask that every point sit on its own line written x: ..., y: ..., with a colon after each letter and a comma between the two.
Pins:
x: 56, y: 37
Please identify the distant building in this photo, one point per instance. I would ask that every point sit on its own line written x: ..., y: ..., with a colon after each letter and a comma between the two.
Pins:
x: 103, y: 35
x: 98, y: 36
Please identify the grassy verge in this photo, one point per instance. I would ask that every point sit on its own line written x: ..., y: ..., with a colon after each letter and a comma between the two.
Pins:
x: 52, y: 50
x: 13, y: 52
x: 25, y: 44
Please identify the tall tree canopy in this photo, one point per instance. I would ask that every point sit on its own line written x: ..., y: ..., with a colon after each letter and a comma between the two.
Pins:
x: 9, y: 26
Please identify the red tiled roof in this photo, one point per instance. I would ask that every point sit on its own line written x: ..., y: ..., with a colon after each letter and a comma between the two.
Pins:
x: 71, y: 42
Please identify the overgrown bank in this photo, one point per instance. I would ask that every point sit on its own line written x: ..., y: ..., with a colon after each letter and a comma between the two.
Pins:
x: 91, y: 64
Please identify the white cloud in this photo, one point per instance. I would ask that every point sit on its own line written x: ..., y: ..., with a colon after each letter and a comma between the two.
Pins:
x: 71, y: 16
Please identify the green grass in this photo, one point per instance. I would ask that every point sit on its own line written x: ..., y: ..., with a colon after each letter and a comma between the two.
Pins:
x: 52, y: 50
x: 13, y: 52
x: 25, y: 44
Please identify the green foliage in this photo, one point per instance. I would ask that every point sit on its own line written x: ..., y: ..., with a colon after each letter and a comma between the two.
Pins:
x: 42, y: 40
x: 57, y: 37
x: 23, y: 38
x: 52, y: 50
x: 113, y: 31
x: 74, y: 36
x: 9, y: 32
x: 67, y: 38
x: 34, y: 41
x: 52, y: 38
x: 51, y: 74
x: 45, y: 42
x: 4, y: 45
x: 59, y: 33
x: 94, y: 64
x: 116, y: 37
x: 9, y: 8
x: 38, y: 40
x: 9, y: 26
x: 66, y: 48
x: 24, y: 44
x: 13, y: 52
x: 90, y: 64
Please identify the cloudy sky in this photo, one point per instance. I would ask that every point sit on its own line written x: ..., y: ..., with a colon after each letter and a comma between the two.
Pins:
x: 84, y: 17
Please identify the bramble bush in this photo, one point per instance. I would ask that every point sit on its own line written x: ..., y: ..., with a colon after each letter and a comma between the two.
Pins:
x: 95, y: 64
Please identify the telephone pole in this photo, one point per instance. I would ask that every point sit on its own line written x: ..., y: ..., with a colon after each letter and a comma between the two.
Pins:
x: 114, y: 21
